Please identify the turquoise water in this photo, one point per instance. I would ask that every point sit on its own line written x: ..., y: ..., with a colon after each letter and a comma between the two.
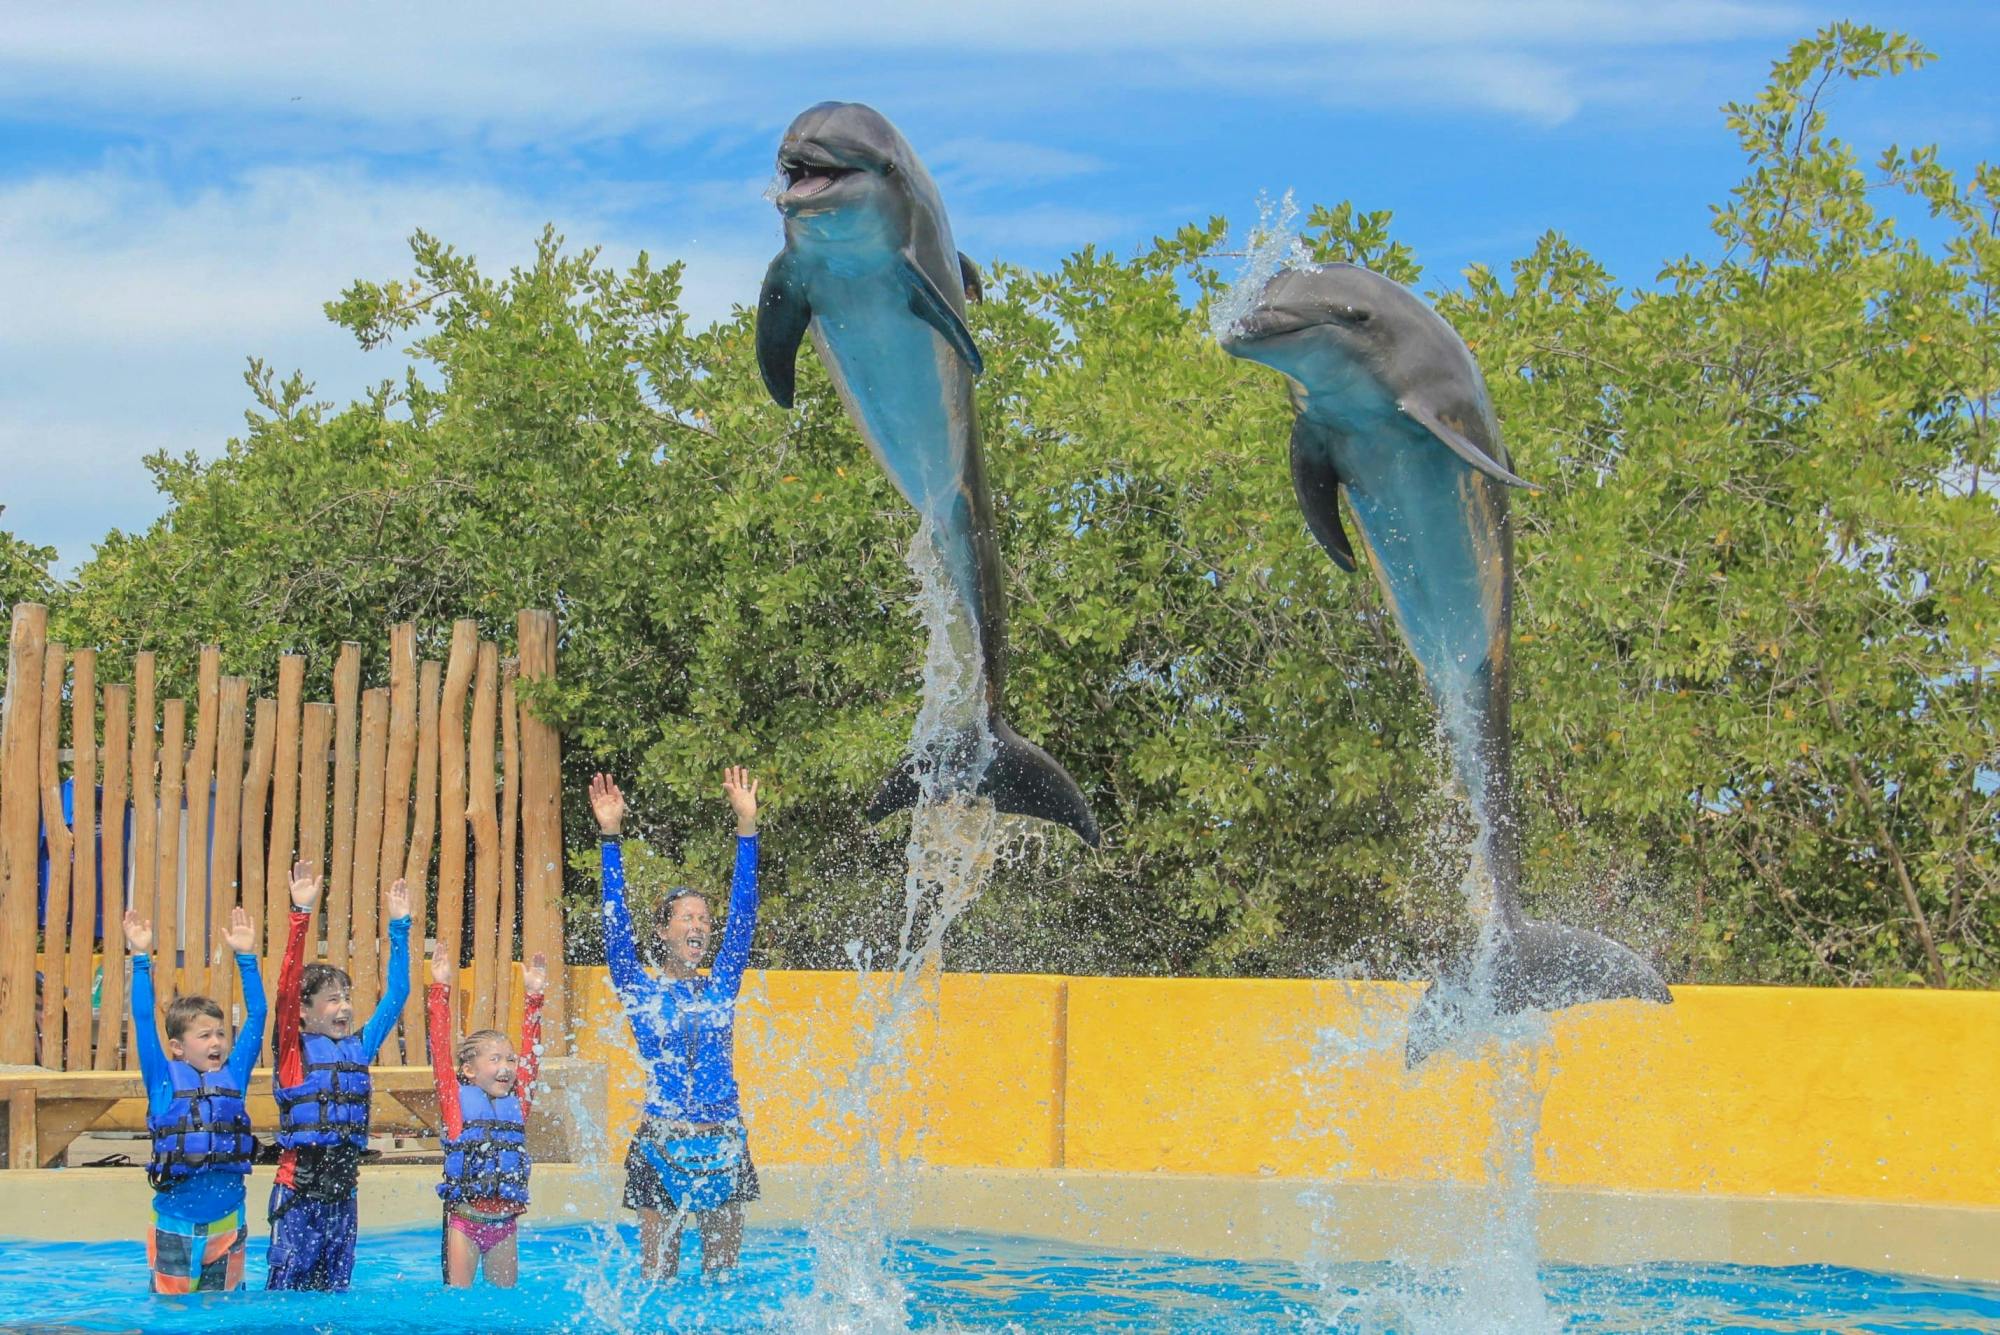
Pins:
x: 583, y: 1279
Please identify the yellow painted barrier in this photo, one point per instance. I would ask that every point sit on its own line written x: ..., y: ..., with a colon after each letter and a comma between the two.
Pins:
x: 1885, y: 1095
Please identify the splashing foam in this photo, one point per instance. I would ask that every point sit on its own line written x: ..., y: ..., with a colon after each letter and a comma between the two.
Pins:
x: 954, y: 846
x: 1274, y: 244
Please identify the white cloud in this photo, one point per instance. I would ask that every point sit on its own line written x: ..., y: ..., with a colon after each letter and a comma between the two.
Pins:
x: 132, y: 307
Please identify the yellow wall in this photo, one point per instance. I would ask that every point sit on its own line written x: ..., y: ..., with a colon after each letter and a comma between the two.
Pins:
x: 1892, y: 1095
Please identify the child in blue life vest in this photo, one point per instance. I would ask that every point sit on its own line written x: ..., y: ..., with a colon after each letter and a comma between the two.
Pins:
x: 690, y: 1161
x: 194, y: 1109
x: 323, y: 1089
x: 484, y: 1088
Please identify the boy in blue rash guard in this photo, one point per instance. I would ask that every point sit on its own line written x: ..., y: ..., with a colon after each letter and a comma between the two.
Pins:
x: 323, y: 1089
x: 692, y: 1154
x: 194, y: 1109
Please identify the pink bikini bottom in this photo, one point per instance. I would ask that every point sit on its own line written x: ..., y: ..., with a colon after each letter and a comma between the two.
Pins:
x: 485, y: 1234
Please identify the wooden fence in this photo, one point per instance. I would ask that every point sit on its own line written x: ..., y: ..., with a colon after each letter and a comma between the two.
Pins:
x: 440, y: 768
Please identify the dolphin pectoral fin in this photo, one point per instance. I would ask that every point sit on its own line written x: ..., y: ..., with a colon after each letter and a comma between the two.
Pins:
x: 929, y: 305
x: 1457, y: 442
x: 1540, y: 966
x: 1025, y: 780
x: 1318, y: 488
x: 968, y: 273
x: 897, y: 792
x: 782, y: 316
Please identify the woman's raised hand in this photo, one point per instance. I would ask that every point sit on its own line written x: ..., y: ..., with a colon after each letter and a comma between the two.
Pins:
x: 741, y: 790
x: 608, y: 805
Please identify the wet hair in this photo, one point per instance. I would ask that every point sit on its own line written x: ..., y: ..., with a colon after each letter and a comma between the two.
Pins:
x: 318, y: 977
x: 665, y: 912
x: 468, y: 1047
x: 181, y: 1013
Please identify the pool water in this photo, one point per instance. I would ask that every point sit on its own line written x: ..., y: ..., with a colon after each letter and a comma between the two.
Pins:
x: 581, y: 1278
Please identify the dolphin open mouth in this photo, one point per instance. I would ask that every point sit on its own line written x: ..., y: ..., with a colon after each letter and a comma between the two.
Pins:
x: 810, y: 170
x: 1269, y: 322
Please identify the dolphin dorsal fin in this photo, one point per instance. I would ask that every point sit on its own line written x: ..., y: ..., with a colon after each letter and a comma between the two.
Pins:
x: 1318, y: 486
x: 783, y: 313
x: 929, y: 305
x: 1457, y: 442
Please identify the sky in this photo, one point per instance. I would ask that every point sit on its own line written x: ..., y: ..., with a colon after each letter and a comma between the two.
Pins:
x: 183, y: 186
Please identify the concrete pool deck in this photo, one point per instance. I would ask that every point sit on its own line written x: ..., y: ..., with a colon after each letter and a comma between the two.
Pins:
x: 1215, y: 1216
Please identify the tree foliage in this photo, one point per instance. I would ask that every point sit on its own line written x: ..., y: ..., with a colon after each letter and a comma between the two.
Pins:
x: 1756, y: 611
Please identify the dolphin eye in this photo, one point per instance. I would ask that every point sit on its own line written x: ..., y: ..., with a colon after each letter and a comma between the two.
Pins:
x: 1354, y: 314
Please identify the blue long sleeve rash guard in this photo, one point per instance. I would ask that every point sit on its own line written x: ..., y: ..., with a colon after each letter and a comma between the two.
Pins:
x: 209, y: 1194
x: 685, y: 1028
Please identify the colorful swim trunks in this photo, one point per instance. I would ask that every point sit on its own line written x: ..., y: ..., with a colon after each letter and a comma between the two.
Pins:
x: 187, y: 1257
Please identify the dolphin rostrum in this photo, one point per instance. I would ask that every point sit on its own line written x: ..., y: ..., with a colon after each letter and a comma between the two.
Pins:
x: 1393, y: 413
x: 870, y: 270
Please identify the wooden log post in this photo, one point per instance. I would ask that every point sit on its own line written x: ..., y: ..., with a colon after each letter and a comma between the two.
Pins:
x: 451, y: 790
x: 398, y: 769
x: 284, y: 803
x: 20, y: 828
x: 145, y: 804
x: 83, y: 897
x: 225, y: 847
x: 364, y: 951
x: 166, y: 925
x: 315, y: 756
x: 56, y: 832
x: 256, y: 806
x: 198, y: 931
x: 423, y: 833
x: 113, y: 1023
x: 480, y: 813
x: 510, y: 811
x: 340, y: 864
x: 541, y: 826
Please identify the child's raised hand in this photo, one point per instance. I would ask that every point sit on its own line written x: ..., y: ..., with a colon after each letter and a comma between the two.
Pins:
x: 440, y: 967
x: 741, y: 790
x: 305, y: 886
x: 607, y: 804
x: 535, y: 978
x: 241, y: 934
x: 138, y: 933
x: 399, y: 901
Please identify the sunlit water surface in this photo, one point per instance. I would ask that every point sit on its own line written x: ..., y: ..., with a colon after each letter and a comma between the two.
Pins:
x: 952, y: 1282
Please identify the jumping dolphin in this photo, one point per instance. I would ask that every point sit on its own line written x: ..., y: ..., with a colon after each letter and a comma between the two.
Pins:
x: 1393, y: 413
x: 869, y: 268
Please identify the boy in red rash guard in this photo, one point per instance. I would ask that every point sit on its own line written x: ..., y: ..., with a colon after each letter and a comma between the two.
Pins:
x: 483, y: 1091
x: 323, y: 1088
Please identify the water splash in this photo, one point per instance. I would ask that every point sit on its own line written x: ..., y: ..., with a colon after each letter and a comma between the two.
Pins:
x: 1274, y: 244
x: 955, y: 844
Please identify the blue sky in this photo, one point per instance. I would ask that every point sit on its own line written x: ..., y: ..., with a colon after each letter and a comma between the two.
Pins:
x: 181, y: 187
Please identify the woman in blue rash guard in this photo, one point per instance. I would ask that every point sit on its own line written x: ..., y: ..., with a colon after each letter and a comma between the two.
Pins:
x: 691, y: 1157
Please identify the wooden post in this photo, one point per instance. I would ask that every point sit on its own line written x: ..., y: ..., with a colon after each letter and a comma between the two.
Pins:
x: 541, y: 826
x: 145, y: 805
x: 83, y: 859
x: 112, y: 1021
x: 225, y: 889
x: 480, y: 813
x: 315, y: 754
x: 199, y: 929
x: 56, y: 831
x: 363, y: 948
x: 340, y: 866
x: 423, y: 832
x: 166, y: 926
x: 451, y: 791
x: 510, y: 810
x: 256, y: 835
x: 20, y: 827
x: 397, y: 772
x: 284, y: 803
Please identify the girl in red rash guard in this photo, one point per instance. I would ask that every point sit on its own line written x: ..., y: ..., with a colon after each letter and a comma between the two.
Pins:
x: 483, y: 1091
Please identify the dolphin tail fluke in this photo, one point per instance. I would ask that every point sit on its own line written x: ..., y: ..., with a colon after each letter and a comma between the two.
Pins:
x: 1022, y: 780
x: 1540, y: 966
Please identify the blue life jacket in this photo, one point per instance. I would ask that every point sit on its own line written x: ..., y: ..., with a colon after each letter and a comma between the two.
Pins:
x: 206, y: 1127
x: 330, y: 1106
x: 488, y: 1161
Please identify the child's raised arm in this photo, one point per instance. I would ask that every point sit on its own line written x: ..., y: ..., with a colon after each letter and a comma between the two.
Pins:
x: 535, y: 983
x: 291, y: 973
x: 241, y: 938
x: 145, y: 1017
x: 390, y: 1007
x: 444, y: 1073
